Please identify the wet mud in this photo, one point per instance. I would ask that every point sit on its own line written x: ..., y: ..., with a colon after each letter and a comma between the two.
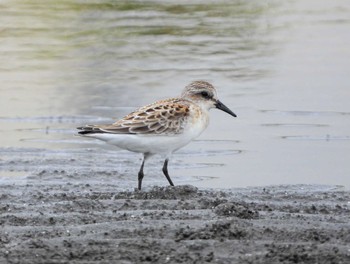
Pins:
x: 70, y: 222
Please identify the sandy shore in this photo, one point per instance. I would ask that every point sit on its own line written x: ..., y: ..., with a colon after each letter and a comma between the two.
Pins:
x: 80, y: 223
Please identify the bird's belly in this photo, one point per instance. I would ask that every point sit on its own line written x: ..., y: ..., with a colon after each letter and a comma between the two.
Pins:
x: 157, y: 144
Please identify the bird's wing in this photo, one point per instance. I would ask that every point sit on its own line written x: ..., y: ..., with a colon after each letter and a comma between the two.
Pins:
x: 162, y: 117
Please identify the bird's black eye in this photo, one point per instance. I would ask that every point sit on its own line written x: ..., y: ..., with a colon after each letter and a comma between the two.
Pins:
x: 205, y: 94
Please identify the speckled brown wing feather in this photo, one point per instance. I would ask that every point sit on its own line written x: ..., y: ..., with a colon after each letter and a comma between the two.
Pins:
x: 162, y: 117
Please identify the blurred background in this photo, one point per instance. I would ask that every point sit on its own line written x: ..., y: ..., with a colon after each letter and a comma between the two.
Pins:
x: 282, y: 66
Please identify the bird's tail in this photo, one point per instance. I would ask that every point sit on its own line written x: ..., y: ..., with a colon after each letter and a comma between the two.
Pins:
x: 88, y: 130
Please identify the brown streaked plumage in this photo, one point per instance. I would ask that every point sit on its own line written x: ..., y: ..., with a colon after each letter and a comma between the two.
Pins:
x: 161, y: 118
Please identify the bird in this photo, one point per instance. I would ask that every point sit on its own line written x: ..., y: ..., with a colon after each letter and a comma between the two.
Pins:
x: 162, y: 127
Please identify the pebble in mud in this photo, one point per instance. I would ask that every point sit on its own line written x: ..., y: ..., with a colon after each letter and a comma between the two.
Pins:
x: 235, y: 209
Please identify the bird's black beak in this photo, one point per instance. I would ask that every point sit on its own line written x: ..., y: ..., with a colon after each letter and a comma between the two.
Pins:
x: 224, y: 108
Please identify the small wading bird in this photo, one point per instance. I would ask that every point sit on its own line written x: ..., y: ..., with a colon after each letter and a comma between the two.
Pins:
x: 162, y: 127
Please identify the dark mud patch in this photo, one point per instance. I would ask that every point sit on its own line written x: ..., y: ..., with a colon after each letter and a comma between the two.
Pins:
x: 96, y: 223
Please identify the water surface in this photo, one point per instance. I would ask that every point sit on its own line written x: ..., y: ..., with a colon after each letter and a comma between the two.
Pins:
x: 282, y: 67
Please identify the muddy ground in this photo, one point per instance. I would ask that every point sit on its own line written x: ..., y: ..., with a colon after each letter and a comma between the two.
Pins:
x: 84, y: 223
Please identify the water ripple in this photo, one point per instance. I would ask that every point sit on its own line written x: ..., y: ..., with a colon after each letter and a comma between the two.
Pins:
x: 317, y: 138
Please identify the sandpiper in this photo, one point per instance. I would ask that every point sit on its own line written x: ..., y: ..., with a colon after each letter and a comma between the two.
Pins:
x: 162, y: 127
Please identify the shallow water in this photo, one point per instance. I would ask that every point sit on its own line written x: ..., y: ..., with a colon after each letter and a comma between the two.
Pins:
x: 282, y: 67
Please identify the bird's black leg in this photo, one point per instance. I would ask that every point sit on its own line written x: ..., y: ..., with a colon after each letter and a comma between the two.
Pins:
x: 165, y: 171
x: 140, y: 175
